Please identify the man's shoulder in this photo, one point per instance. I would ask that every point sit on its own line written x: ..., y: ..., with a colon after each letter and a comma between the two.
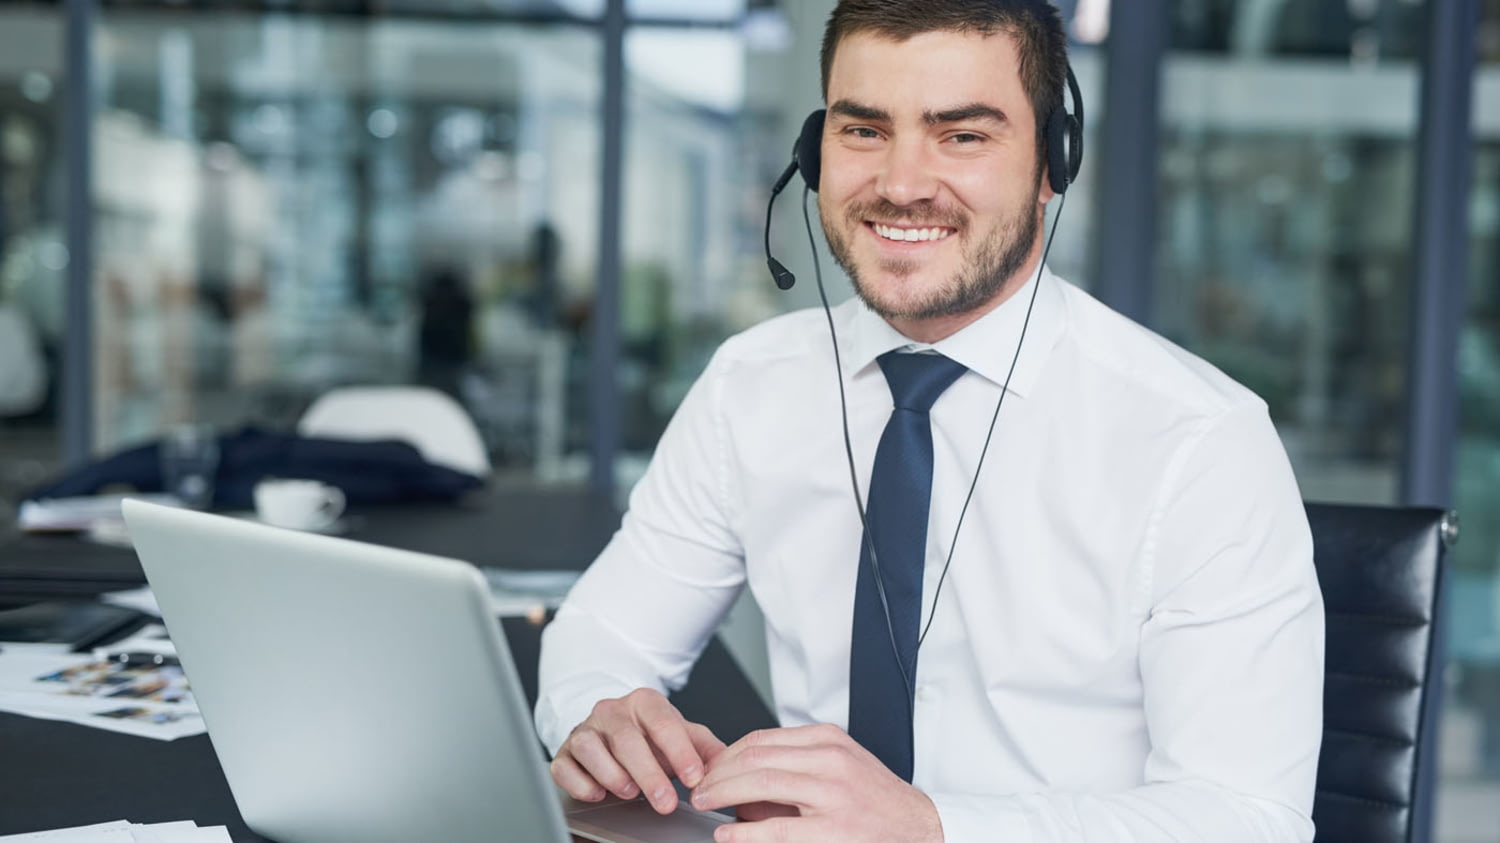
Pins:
x: 1137, y: 356
x: 791, y: 335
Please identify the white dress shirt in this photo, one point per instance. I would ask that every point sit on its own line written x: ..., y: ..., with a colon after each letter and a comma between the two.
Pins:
x: 1129, y: 641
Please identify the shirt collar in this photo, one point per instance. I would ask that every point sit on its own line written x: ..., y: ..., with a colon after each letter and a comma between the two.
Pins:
x: 987, y: 346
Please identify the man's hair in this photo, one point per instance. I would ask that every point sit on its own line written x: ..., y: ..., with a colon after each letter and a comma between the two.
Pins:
x: 1035, y: 25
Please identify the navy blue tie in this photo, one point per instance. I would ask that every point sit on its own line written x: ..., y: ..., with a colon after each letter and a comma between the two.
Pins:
x: 880, y: 700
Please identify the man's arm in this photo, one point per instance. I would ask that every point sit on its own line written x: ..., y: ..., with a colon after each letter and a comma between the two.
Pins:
x: 631, y: 629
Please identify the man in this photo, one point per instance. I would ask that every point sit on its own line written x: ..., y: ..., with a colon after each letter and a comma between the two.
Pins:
x: 1120, y: 633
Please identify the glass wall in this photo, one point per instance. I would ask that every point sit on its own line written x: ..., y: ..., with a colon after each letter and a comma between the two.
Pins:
x: 689, y: 272
x: 33, y: 252
x: 289, y: 203
x: 1286, y: 219
x: 1284, y: 125
x: 1472, y: 765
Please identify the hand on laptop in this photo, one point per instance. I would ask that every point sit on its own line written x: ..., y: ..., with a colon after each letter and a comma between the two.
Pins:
x: 632, y: 745
x: 827, y: 785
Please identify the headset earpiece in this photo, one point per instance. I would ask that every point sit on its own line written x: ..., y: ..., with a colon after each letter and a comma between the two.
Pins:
x: 1057, y: 151
x: 1064, y: 138
x: 808, y: 153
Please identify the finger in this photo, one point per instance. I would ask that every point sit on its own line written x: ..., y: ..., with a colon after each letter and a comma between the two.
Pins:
x: 633, y: 753
x: 763, y: 784
x: 588, y: 748
x: 775, y: 830
x: 825, y: 761
x: 760, y: 811
x: 674, y: 738
x: 818, y: 734
x: 706, y: 742
x: 574, y: 780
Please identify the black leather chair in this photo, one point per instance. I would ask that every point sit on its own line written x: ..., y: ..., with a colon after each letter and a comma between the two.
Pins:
x: 1381, y: 570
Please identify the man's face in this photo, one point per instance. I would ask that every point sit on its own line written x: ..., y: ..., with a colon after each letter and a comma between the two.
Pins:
x: 931, y: 194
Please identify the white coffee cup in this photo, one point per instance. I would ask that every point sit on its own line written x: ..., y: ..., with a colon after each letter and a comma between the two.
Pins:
x: 298, y: 504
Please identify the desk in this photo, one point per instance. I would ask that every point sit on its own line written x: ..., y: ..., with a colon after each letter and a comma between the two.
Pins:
x: 57, y: 775
x: 547, y: 529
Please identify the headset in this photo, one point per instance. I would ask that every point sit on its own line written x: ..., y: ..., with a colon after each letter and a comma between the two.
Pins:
x: 1062, y: 137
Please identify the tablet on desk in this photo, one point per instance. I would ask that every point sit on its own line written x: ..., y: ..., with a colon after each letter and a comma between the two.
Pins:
x: 362, y: 693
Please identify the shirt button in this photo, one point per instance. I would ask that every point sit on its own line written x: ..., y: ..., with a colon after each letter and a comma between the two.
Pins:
x: 925, y: 693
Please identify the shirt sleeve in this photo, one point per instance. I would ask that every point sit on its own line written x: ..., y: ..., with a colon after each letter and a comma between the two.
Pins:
x: 643, y: 611
x: 1231, y: 659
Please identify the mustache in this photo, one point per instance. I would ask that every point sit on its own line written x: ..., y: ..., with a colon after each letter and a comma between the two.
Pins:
x: 925, y: 213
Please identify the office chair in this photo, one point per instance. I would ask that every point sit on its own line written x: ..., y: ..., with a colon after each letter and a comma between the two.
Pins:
x: 1381, y: 571
x: 435, y: 424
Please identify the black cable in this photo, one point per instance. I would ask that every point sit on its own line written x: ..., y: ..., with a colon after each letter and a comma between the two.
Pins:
x: 838, y: 366
x: 849, y: 447
x: 1036, y: 284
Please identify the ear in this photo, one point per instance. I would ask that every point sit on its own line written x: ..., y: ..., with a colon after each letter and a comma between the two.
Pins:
x: 1044, y: 191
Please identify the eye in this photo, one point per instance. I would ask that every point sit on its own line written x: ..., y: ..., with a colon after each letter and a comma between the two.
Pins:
x: 966, y: 138
x: 862, y: 132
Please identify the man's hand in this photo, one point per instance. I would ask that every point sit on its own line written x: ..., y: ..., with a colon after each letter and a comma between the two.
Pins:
x: 822, y: 786
x: 631, y: 745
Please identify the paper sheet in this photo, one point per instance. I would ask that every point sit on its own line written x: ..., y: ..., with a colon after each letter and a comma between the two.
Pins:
x: 80, y: 513
x: 46, y: 681
x: 122, y: 831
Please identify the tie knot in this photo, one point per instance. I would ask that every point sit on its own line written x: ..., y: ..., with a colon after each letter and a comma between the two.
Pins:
x: 916, y: 380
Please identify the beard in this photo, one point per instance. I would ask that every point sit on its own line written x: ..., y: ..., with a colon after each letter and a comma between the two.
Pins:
x: 987, y: 264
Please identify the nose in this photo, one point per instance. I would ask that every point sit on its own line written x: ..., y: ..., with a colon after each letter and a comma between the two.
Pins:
x: 907, y: 175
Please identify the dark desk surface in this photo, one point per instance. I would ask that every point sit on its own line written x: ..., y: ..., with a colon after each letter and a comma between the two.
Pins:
x: 59, y: 775
x: 547, y: 529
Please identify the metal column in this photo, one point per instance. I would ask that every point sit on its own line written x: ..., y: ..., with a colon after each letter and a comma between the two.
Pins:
x: 604, y: 390
x: 1445, y: 161
x: 1124, y: 156
x: 76, y: 401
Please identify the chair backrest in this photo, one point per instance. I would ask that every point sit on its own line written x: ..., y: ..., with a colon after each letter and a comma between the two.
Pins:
x: 431, y: 421
x: 1381, y: 571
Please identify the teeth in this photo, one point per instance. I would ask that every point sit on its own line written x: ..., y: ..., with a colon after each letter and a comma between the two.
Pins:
x: 911, y: 235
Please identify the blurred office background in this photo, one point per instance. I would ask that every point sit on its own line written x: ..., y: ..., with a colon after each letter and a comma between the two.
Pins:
x: 552, y: 209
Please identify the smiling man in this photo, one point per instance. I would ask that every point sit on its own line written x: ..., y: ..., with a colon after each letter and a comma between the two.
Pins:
x: 1085, y: 612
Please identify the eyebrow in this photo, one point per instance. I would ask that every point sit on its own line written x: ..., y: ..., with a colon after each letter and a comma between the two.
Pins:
x: 858, y: 111
x: 972, y: 111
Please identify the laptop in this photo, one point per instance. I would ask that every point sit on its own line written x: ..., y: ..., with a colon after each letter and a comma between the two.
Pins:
x: 362, y: 693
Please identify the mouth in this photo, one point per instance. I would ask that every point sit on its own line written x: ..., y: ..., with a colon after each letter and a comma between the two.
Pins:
x: 910, y: 234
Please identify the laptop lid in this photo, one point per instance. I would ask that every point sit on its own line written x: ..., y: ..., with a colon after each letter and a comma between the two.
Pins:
x: 352, y: 692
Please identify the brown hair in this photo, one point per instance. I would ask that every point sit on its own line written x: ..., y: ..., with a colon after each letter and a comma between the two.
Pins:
x: 1035, y: 24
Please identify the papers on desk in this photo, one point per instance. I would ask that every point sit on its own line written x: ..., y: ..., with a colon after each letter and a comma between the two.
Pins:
x: 79, y: 513
x: 47, y: 681
x: 122, y: 831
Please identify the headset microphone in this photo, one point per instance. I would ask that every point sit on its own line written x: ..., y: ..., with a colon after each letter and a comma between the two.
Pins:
x: 806, y: 157
x: 783, y: 277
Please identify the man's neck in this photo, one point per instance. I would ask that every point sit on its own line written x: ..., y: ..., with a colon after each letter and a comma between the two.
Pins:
x: 936, y: 328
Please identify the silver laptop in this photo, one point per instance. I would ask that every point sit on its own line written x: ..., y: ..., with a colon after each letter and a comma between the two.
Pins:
x: 362, y: 693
